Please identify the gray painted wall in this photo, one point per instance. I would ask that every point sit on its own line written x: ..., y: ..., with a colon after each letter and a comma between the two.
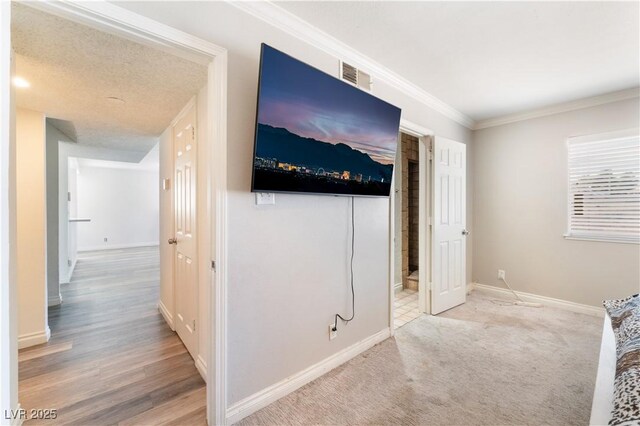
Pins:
x: 53, y: 136
x: 288, y: 263
x: 521, y: 210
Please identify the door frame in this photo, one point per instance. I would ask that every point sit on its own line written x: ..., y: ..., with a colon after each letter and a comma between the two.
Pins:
x: 113, y: 19
x: 8, y: 286
x: 424, y: 136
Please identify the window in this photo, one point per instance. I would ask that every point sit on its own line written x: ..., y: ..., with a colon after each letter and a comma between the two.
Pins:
x: 604, y: 187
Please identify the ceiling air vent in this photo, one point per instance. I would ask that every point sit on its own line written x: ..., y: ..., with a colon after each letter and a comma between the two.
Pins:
x: 354, y: 76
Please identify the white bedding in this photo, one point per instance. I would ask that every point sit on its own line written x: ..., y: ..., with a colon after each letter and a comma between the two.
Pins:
x: 603, y: 393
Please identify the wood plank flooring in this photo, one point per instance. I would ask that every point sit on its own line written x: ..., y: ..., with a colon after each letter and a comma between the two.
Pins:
x: 112, y: 359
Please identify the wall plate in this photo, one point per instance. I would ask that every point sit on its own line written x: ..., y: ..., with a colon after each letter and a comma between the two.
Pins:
x: 265, y: 198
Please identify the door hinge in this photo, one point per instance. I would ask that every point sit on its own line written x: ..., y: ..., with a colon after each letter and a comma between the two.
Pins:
x: 193, y: 133
x: 213, y: 265
x: 194, y: 325
x: 68, y: 262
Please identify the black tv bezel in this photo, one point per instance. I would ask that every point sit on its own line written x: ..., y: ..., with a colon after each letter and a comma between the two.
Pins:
x: 255, y: 136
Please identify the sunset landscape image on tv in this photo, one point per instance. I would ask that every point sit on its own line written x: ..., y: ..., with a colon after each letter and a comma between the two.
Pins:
x: 315, y: 133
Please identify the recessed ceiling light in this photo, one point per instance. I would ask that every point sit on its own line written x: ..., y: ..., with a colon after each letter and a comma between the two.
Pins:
x: 114, y: 100
x: 21, y: 82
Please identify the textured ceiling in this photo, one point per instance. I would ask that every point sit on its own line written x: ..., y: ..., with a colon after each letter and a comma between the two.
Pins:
x: 73, y: 69
x: 489, y: 59
x: 65, y: 127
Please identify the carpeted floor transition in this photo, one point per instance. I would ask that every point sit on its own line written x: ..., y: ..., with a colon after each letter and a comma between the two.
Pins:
x: 478, y: 364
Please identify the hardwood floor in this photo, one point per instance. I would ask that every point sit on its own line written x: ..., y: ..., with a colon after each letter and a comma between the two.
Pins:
x: 112, y: 359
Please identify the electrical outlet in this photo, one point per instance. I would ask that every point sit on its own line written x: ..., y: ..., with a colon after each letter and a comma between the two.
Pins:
x: 332, y: 333
x: 501, y: 274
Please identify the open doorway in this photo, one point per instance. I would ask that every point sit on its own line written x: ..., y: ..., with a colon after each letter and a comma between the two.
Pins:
x: 429, y: 209
x: 101, y: 119
x: 407, y: 230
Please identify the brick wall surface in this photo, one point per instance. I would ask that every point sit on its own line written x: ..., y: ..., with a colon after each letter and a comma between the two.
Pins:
x: 410, y: 182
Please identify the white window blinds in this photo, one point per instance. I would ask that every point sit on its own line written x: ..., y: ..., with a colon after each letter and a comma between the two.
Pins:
x: 604, y: 187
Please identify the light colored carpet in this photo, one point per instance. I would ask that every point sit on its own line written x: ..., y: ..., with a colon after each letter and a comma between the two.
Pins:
x: 477, y: 364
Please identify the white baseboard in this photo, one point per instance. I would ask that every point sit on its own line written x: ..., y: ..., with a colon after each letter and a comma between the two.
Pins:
x: 261, y: 399
x: 397, y: 288
x: 168, y: 316
x: 54, y: 300
x: 70, y: 273
x: 16, y: 416
x: 546, y: 301
x: 73, y: 268
x: 201, y: 366
x: 118, y: 246
x: 32, y: 339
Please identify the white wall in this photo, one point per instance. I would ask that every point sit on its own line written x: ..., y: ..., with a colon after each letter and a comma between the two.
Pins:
x: 122, y: 204
x: 68, y: 150
x: 288, y: 263
x: 521, y: 210
x: 31, y: 228
x: 67, y: 195
x: 72, y: 252
x: 65, y: 262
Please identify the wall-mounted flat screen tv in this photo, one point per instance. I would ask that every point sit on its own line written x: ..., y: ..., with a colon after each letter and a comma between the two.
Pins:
x: 317, y: 134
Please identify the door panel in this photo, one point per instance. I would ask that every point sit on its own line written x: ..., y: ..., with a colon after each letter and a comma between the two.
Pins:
x: 186, y: 278
x: 449, y: 239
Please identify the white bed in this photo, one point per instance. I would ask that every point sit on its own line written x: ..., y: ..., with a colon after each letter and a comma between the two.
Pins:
x: 603, y: 393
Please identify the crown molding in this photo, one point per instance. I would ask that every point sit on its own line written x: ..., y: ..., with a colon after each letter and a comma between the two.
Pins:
x: 559, y: 108
x: 293, y: 25
x: 302, y: 30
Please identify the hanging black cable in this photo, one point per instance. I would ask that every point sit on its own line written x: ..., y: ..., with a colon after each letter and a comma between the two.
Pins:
x: 353, y: 294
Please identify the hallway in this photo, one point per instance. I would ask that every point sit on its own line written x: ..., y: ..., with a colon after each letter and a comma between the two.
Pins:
x: 112, y: 359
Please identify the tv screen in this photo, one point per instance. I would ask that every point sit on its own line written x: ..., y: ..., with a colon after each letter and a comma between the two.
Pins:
x: 317, y: 134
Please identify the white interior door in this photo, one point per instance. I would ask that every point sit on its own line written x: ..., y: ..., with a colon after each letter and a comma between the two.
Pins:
x: 186, y: 268
x: 449, y: 225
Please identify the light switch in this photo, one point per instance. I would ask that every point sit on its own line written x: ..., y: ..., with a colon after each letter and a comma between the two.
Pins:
x: 263, y: 198
x: 166, y: 184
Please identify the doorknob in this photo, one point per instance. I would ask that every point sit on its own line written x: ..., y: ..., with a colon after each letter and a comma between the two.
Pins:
x: 172, y: 241
x: 465, y: 232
